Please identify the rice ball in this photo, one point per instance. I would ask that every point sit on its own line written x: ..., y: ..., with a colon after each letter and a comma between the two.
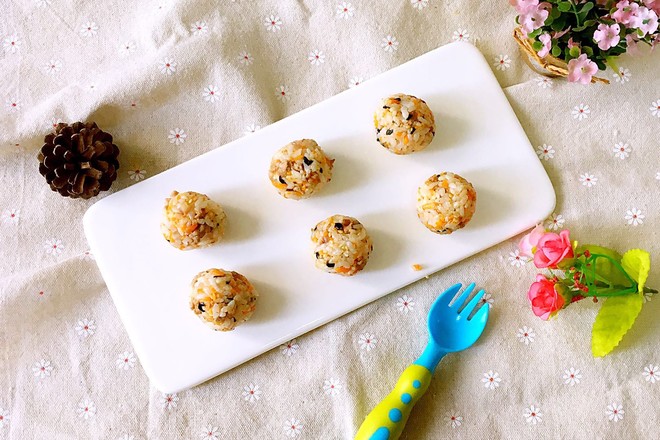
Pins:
x: 341, y: 245
x: 222, y: 299
x: 446, y: 202
x: 404, y: 124
x: 191, y: 220
x: 299, y: 169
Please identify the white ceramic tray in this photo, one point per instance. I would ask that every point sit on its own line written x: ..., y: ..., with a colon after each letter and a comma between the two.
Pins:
x: 267, y: 239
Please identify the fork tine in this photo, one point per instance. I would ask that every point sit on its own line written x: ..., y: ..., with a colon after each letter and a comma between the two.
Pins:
x: 469, y: 307
x: 445, y: 297
x: 458, y: 303
x: 481, y: 315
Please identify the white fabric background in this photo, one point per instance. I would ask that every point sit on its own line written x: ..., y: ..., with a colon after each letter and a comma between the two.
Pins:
x: 45, y: 294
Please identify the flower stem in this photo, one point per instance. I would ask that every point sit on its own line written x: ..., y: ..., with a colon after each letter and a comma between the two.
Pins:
x: 577, y: 17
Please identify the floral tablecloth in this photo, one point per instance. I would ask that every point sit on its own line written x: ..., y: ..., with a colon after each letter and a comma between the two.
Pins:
x: 171, y: 79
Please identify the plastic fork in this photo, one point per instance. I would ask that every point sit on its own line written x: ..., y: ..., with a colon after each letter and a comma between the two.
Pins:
x: 453, y: 326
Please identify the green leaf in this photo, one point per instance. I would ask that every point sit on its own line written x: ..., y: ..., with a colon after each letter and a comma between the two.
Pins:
x: 556, y: 51
x: 558, y: 24
x: 637, y: 264
x: 535, y: 34
x: 555, y: 13
x: 585, y: 10
x: 537, y: 45
x: 564, y: 6
x: 615, y: 317
x: 604, y: 267
x: 575, y: 51
x: 589, y: 51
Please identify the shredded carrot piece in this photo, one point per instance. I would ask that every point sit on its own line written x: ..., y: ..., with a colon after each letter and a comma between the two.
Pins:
x: 416, y: 267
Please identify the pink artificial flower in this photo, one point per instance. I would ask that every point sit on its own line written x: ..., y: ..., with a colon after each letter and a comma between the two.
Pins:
x: 607, y: 36
x: 581, y: 69
x: 646, y: 20
x: 632, y: 47
x: 551, y: 249
x: 625, y: 12
x: 547, y: 45
x: 654, y: 5
x: 557, y: 35
x: 534, y: 17
x: 544, y: 297
x: 527, y: 245
x: 572, y: 44
x: 522, y: 6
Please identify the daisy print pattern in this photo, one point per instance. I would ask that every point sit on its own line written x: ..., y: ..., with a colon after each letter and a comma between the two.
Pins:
x: 572, y: 376
x: 405, y: 303
x: 545, y: 152
x: 11, y: 44
x: 250, y: 129
x: 282, y: 93
x: 137, y: 174
x: 4, y: 417
x: 251, y: 393
x: 623, y: 76
x: 614, y: 412
x: 588, y: 180
x: 52, y: 124
x: 42, y: 3
x: 53, y: 66
x: 555, y: 222
x: 86, y: 409
x: 89, y: 29
x: 126, y: 361
x: 199, y: 28
x: 454, y: 420
x: 460, y: 35
x: 581, y: 112
x: 167, y: 66
x: 42, y: 369
x: 11, y: 216
x: 517, y: 260
x: 651, y: 373
x: 273, y: 23
x: 355, y: 81
x: 54, y: 247
x: 389, y: 44
x: 621, y: 150
x: 367, y: 341
x: 655, y: 108
x: 177, y: 136
x: 526, y: 335
x: 634, y: 217
x: 502, y: 62
x: 487, y: 299
x: 293, y: 428
x: 533, y: 415
x: 491, y: 380
x: 210, y: 93
x: 290, y: 348
x: 127, y: 48
x: 168, y: 401
x: 210, y: 433
x: 85, y: 328
x: 245, y: 58
x: 331, y: 387
x: 544, y: 82
x: 419, y: 4
x: 345, y: 10
x: 13, y: 104
x: 88, y: 256
x: 316, y: 57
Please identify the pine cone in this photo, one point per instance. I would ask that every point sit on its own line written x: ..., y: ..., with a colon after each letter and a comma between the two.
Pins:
x: 79, y: 160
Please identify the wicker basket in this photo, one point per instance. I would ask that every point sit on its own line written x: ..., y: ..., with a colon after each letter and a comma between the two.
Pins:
x: 548, y: 65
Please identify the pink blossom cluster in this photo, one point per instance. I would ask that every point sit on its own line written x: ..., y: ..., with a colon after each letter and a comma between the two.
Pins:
x: 531, y: 14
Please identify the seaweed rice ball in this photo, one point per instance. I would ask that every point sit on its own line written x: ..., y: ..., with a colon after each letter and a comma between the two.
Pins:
x: 222, y: 299
x: 341, y: 245
x: 404, y: 124
x: 446, y: 202
x: 191, y: 220
x: 300, y: 169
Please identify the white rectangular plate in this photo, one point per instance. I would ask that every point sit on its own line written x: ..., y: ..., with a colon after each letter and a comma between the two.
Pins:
x: 267, y: 239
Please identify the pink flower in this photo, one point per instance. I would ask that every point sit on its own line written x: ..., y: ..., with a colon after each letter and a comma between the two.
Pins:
x: 572, y: 44
x: 581, y: 69
x: 527, y: 245
x: 607, y: 36
x: 534, y: 17
x: 654, y: 5
x: 646, y: 20
x: 625, y: 12
x: 552, y: 249
x: 557, y: 35
x: 522, y: 6
x: 547, y: 45
x: 544, y: 297
x: 632, y: 47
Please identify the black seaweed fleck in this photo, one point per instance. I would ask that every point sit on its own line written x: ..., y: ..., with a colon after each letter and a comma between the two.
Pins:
x: 227, y: 282
x: 307, y: 161
x: 389, y: 131
x: 282, y: 181
x: 200, y: 306
x: 397, y: 99
x: 321, y: 170
x: 385, y: 107
x: 412, y: 130
x: 330, y: 265
x: 317, y: 255
x: 339, y: 226
x: 409, y: 116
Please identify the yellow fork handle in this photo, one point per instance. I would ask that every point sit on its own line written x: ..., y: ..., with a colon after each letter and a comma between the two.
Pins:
x: 387, y: 420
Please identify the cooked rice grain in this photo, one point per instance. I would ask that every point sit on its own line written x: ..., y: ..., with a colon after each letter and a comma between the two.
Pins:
x: 299, y: 169
x: 404, y: 124
x: 341, y: 245
x: 191, y: 220
x: 446, y: 202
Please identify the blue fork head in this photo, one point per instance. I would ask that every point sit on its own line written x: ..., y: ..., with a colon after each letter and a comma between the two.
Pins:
x: 450, y: 325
